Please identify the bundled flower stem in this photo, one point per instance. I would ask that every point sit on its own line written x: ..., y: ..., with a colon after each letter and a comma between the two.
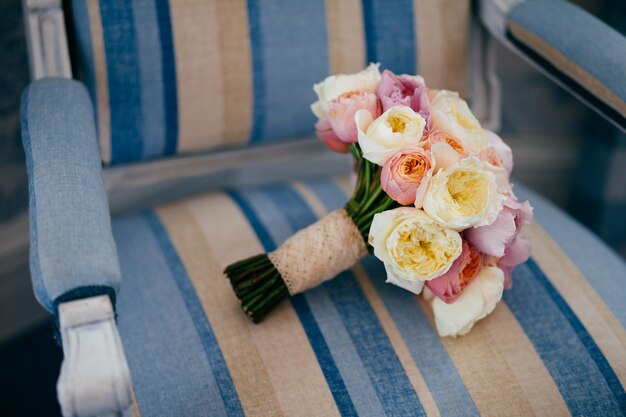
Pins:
x: 257, y: 281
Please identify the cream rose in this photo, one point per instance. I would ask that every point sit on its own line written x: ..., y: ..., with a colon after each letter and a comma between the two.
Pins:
x: 451, y: 115
x: 466, y: 194
x: 413, y: 247
x: 396, y: 128
x: 478, y: 300
x: 336, y: 85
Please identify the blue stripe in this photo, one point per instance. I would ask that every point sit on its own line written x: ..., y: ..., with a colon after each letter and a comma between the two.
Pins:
x: 124, y: 80
x: 168, y: 66
x: 334, y: 379
x: 289, y: 54
x: 318, y: 344
x: 335, y: 341
x: 598, y: 263
x: 344, y: 352
x: 429, y: 354
x: 174, y: 372
x: 390, y: 34
x: 149, y: 49
x: 579, y: 369
x: 258, y: 70
x: 203, y: 328
x: 385, y: 371
x: 374, y: 348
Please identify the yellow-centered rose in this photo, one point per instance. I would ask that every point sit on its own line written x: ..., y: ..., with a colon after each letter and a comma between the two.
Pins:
x: 413, y: 247
x: 466, y: 194
x: 451, y: 115
x: 396, y: 128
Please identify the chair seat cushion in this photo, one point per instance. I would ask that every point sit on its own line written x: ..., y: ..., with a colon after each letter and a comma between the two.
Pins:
x: 355, y: 345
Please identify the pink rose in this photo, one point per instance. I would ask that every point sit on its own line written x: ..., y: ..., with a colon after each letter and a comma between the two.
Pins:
x: 406, y: 174
x: 341, y: 113
x: 502, y: 238
x: 405, y: 90
x: 449, y: 286
x: 330, y: 139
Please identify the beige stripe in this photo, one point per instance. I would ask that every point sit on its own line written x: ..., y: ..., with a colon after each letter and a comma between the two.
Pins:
x: 383, y: 315
x: 234, y: 43
x: 345, y: 36
x: 101, y: 80
x: 442, y: 30
x: 231, y: 328
x: 198, y: 73
x: 525, y: 364
x: 567, y: 66
x: 599, y: 321
x: 281, y: 350
x: 134, y: 407
x: 487, y: 375
x: 415, y: 376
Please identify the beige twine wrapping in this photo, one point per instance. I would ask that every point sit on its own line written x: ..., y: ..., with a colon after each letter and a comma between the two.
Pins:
x: 319, y: 252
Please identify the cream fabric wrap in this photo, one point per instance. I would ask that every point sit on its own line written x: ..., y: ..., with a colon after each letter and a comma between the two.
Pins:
x: 319, y: 252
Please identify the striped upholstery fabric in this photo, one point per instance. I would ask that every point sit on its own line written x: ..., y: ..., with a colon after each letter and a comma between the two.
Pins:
x: 356, y: 346
x: 174, y: 76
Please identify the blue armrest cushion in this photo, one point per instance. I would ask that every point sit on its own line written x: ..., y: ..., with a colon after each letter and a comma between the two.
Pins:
x: 577, y: 44
x: 72, y: 252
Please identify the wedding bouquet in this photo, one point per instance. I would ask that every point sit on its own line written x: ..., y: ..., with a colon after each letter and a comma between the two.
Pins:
x: 432, y: 201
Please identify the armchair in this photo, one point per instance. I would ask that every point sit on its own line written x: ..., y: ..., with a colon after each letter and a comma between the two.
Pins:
x: 164, y: 164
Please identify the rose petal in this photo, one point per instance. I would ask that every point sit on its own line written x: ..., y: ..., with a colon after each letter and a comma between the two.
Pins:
x: 413, y: 286
x: 492, y: 239
x: 330, y: 139
x: 516, y: 253
x: 503, y: 150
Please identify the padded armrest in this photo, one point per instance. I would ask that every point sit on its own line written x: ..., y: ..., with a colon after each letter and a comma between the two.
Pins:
x: 572, y: 47
x: 72, y: 252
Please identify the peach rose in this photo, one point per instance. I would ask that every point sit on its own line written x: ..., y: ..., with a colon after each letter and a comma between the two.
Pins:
x: 447, y: 150
x: 406, y: 174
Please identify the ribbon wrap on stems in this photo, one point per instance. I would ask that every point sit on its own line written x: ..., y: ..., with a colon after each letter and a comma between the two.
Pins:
x: 319, y: 252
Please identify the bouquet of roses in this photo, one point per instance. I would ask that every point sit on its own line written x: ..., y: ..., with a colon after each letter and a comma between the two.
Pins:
x: 432, y: 201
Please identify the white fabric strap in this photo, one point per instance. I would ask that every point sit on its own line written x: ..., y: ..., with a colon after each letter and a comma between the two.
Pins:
x: 94, y: 380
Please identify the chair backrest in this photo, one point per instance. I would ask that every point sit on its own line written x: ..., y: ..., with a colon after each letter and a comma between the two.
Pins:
x: 170, y: 77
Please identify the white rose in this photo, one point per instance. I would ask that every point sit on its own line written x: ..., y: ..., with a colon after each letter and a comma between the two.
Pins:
x: 478, y: 299
x: 466, y: 194
x: 396, y: 128
x: 451, y: 115
x: 335, y: 85
x: 413, y: 247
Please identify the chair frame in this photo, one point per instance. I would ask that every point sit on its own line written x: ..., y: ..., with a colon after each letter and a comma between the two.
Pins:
x: 79, y: 387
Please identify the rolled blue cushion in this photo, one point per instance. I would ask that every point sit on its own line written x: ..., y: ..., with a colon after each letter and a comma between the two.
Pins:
x: 578, y: 44
x: 72, y: 252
